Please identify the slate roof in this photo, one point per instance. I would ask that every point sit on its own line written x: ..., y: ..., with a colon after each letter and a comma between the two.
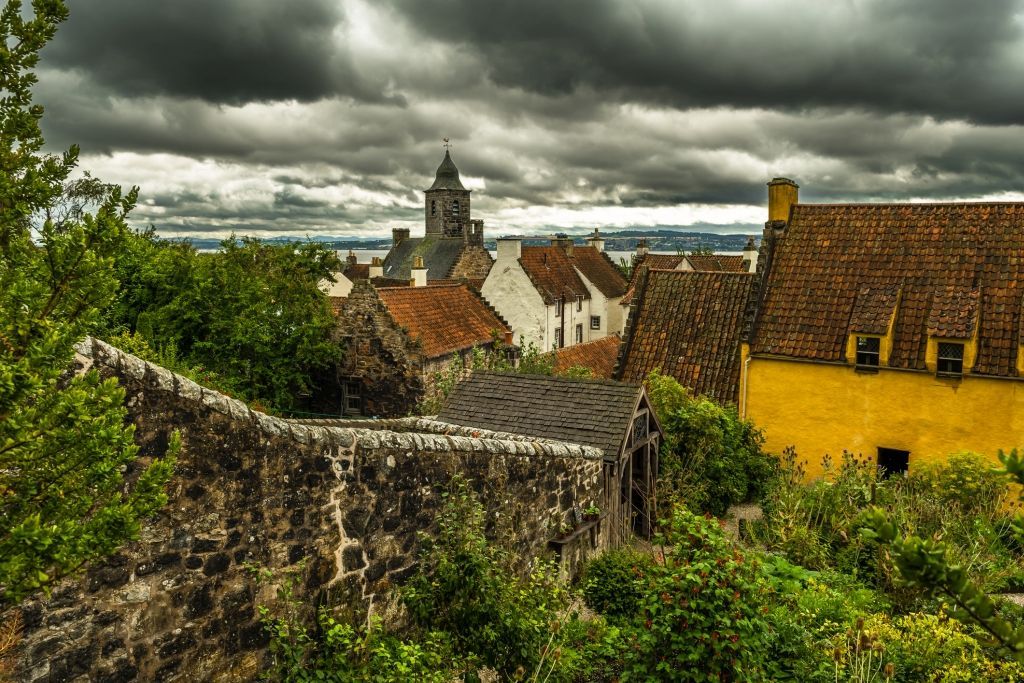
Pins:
x: 552, y: 273
x: 590, y: 412
x: 447, y: 176
x: 689, y: 324
x: 598, y: 356
x: 440, y: 254
x: 444, y: 319
x: 956, y: 265
x: 597, y: 267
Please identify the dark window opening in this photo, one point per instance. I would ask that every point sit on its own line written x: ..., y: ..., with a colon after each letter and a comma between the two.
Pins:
x: 951, y: 359
x: 353, y: 399
x: 868, y: 351
x: 455, y: 209
x: 579, y: 303
x: 579, y: 333
x: 558, y: 338
x: 558, y: 308
x: 595, y: 322
x: 433, y: 207
x: 892, y: 461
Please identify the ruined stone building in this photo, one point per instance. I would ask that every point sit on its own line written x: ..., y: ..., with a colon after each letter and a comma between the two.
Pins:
x: 342, y: 504
x: 559, y: 295
x: 453, y: 242
x: 397, y: 339
x: 615, y: 417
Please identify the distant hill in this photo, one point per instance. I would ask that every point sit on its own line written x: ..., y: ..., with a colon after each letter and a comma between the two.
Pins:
x: 660, y: 239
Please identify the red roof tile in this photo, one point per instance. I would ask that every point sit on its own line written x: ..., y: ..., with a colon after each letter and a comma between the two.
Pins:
x: 597, y: 356
x: 689, y: 324
x: 954, y: 263
x: 725, y: 263
x: 444, y: 319
x: 552, y: 273
x: 597, y: 267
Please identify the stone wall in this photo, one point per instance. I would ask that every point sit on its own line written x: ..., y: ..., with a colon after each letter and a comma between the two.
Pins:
x: 379, y: 355
x: 342, y: 506
x: 474, y: 263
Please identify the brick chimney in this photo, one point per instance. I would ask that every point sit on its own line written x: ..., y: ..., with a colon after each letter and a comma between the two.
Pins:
x: 419, y: 273
x: 750, y: 255
x: 596, y: 241
x: 398, y: 235
x: 783, y: 193
x: 509, y: 249
x: 376, y: 267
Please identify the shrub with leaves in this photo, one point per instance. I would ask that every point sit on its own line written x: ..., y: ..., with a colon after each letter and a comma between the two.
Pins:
x: 613, y: 582
x: 699, y: 618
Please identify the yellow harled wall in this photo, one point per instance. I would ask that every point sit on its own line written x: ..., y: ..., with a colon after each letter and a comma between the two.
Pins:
x: 821, y: 408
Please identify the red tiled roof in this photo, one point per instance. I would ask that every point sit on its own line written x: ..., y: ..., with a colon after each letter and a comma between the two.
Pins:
x: 597, y: 356
x: 444, y: 319
x: 873, y: 309
x: 718, y: 263
x: 552, y: 273
x: 953, y: 263
x: 475, y: 283
x: 599, y: 269
x: 689, y: 324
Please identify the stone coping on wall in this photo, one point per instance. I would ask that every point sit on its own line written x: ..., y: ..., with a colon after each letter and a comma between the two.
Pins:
x: 429, y: 435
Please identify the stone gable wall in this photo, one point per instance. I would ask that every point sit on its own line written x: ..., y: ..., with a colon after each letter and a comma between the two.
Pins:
x: 474, y: 263
x: 252, y: 491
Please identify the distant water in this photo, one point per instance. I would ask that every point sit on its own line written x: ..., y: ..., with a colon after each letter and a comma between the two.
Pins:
x: 366, y: 255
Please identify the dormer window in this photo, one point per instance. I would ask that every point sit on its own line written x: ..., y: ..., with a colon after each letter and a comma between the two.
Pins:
x: 950, y: 359
x: 868, y: 351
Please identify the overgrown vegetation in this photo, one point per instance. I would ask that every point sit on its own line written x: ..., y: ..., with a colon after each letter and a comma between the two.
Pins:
x: 72, y: 486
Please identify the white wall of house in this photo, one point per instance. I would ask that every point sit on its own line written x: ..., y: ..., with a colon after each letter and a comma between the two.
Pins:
x: 609, y: 309
x: 568, y: 321
x: 340, y: 287
x: 509, y: 290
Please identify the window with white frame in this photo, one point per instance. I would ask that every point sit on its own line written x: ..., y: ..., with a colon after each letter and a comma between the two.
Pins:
x: 595, y: 322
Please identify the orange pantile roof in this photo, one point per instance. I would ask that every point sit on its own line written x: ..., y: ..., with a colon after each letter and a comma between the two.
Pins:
x: 552, y: 273
x: 659, y: 261
x: 725, y: 263
x: 475, y: 283
x: 955, y: 266
x: 597, y: 267
x: 597, y: 356
x: 444, y: 319
x: 689, y: 324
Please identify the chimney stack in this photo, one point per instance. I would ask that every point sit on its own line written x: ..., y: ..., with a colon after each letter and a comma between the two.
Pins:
x: 509, y: 249
x: 596, y: 241
x: 419, y: 273
x: 750, y: 255
x: 351, y: 258
x: 398, y: 235
x: 376, y: 267
x: 641, y: 248
x: 783, y: 193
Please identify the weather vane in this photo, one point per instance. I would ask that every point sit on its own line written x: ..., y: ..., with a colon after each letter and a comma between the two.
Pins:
x: 447, y: 145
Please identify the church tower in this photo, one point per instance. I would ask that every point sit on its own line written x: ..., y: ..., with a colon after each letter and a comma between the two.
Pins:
x: 447, y: 203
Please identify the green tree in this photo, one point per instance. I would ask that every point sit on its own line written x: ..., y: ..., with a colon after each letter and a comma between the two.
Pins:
x: 65, y: 452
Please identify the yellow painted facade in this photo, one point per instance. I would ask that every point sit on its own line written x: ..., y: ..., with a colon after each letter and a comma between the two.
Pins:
x: 825, y: 408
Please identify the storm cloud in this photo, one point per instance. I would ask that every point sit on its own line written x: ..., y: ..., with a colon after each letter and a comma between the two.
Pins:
x: 326, y: 116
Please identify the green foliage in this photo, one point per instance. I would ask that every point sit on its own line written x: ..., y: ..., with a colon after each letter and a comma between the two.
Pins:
x: 613, y: 582
x: 73, y: 488
x: 337, y: 652
x: 710, y: 459
x: 699, y: 619
x: 467, y: 589
x: 250, y: 314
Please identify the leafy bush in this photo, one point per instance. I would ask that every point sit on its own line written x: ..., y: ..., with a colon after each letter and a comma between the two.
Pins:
x: 699, y: 618
x: 613, y: 583
x: 710, y: 459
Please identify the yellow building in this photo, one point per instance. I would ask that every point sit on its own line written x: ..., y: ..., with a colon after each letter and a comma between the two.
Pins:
x: 894, y: 331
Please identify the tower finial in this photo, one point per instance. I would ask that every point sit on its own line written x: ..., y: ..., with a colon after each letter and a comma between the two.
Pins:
x: 447, y: 144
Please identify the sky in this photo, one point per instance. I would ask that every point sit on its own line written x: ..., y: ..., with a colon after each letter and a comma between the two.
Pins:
x: 326, y: 117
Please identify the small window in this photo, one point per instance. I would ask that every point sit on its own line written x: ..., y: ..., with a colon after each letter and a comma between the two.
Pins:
x: 558, y: 338
x: 353, y: 398
x: 433, y: 207
x: 595, y: 322
x: 892, y: 461
x: 558, y: 308
x: 579, y: 303
x: 867, y: 351
x: 455, y: 209
x: 579, y: 333
x: 951, y: 359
